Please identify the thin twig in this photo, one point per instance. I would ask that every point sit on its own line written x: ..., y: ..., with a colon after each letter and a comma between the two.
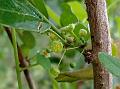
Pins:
x: 61, y: 57
x: 22, y: 61
x: 16, y: 59
x: 28, y: 67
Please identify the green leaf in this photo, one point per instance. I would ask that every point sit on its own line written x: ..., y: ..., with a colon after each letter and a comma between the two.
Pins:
x: 67, y: 17
x: 25, y: 50
x: 111, y: 4
x: 117, y: 19
x: 71, y: 76
x: 27, y: 39
x: 55, y: 84
x: 78, y: 9
x: 114, y: 49
x: 43, y: 61
x: 112, y: 64
x: 53, y: 15
x: 40, y: 5
x: 20, y: 14
x: 77, y: 29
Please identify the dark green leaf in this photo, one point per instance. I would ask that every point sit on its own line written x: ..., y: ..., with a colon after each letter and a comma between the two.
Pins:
x: 20, y: 14
x: 112, y: 64
x: 43, y: 61
x: 39, y: 4
x: 70, y: 53
x: 67, y: 17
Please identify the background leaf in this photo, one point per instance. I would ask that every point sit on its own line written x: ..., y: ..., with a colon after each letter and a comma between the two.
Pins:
x: 114, y: 49
x: 43, y: 61
x: 53, y: 15
x: 27, y: 39
x: 112, y: 64
x: 117, y: 19
x: 67, y: 17
x: 78, y: 9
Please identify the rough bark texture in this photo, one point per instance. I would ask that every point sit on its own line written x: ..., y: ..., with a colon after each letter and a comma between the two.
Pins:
x: 99, y: 27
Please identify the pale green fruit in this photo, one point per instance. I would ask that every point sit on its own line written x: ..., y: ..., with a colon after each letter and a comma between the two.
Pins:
x: 54, y: 71
x: 56, y: 46
x: 82, y: 32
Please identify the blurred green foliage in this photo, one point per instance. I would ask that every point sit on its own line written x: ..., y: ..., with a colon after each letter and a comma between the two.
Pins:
x: 57, y: 11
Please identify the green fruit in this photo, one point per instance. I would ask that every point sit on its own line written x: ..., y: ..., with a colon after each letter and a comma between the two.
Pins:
x: 70, y: 39
x: 72, y: 65
x: 71, y: 27
x: 46, y: 53
x: 56, y: 46
x: 68, y: 28
x: 54, y: 71
x: 82, y: 32
x: 52, y: 36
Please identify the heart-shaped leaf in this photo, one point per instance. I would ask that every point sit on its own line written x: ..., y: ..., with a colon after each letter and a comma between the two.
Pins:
x: 21, y: 14
x: 112, y: 64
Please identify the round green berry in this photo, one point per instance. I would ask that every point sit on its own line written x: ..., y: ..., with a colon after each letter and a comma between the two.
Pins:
x: 72, y: 65
x: 68, y: 28
x: 70, y: 39
x: 54, y: 71
x: 82, y: 32
x: 56, y: 46
x: 52, y: 36
x: 71, y: 27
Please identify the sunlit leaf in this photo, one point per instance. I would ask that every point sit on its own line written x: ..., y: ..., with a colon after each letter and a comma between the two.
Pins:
x: 55, y: 84
x: 114, y: 49
x: 78, y: 9
x: 53, y: 15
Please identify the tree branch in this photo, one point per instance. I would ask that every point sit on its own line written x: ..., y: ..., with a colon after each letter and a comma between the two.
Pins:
x: 23, y: 62
x: 100, y: 36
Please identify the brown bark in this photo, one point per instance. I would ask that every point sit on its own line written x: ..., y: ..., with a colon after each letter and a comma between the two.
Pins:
x: 23, y: 62
x: 99, y: 27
